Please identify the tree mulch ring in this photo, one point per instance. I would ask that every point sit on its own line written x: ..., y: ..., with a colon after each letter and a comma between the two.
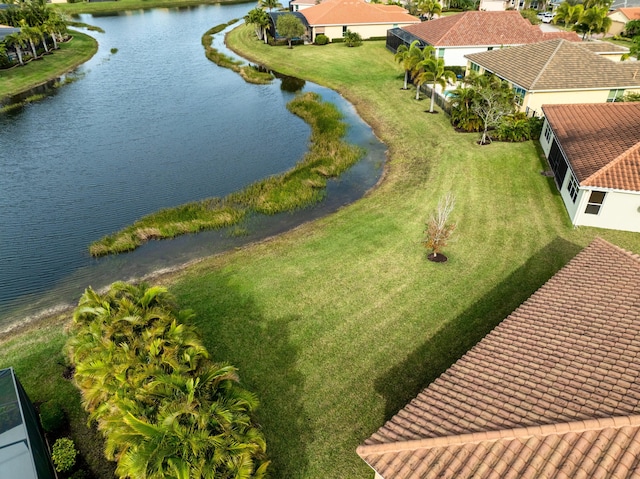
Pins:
x: 434, y: 112
x: 437, y: 257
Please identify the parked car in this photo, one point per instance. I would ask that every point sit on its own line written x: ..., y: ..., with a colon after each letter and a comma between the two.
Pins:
x: 548, y: 17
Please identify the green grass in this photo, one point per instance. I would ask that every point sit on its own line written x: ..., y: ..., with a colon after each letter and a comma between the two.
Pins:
x: 69, y: 56
x: 337, y: 324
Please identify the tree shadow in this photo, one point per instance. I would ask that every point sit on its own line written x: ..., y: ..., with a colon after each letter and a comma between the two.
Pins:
x: 403, y: 381
x: 235, y: 331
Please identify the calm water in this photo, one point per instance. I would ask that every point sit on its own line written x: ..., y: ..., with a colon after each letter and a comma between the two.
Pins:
x: 151, y: 126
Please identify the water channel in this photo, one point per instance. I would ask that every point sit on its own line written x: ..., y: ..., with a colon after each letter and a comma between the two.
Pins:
x: 151, y: 125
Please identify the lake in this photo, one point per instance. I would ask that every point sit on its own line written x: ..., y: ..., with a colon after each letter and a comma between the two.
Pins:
x: 151, y: 126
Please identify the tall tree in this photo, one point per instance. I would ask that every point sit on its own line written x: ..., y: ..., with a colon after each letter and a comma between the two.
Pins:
x: 17, y: 41
x: 409, y: 57
x: 433, y: 71
x: 290, y: 27
x: 493, y: 99
x: 260, y: 21
x: 425, y: 54
x: 593, y: 20
x: 31, y: 34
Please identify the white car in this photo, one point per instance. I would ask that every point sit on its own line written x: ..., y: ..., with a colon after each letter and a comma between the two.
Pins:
x: 548, y: 17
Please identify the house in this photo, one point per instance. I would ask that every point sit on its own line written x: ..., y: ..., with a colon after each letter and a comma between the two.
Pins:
x: 6, y: 30
x: 594, y: 153
x: 297, y: 5
x: 558, y: 72
x: 552, y: 392
x: 455, y: 36
x: 606, y: 49
x: 23, y: 451
x: 620, y: 17
x: 334, y: 17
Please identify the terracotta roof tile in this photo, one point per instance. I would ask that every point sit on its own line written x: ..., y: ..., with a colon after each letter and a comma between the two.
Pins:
x: 632, y: 13
x: 482, y: 29
x: 574, y: 418
x: 601, y: 142
x: 355, y: 12
x: 557, y: 65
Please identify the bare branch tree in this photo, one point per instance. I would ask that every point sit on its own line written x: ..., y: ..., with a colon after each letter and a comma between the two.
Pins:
x: 438, y: 230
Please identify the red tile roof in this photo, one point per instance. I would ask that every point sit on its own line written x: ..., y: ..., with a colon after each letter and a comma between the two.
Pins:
x: 553, y: 391
x: 600, y: 141
x: 355, y: 12
x: 632, y: 13
x: 482, y: 29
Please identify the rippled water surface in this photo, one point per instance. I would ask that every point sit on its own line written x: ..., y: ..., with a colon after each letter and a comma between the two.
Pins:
x: 151, y: 126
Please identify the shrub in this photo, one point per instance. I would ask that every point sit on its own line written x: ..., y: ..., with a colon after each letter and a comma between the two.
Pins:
x: 52, y: 416
x: 322, y: 39
x: 352, y: 39
x: 79, y: 474
x: 64, y: 454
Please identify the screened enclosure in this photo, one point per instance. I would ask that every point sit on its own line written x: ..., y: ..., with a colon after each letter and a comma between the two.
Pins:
x: 23, y: 451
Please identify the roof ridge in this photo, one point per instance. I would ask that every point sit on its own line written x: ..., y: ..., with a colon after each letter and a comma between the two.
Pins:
x: 579, y: 426
x: 634, y: 256
x: 542, y: 70
x: 621, y: 157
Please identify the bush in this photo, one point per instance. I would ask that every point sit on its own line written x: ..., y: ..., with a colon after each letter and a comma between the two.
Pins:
x: 52, y: 416
x: 518, y: 127
x: 64, y: 454
x: 352, y: 39
x: 322, y: 39
x: 79, y: 474
x: 531, y: 15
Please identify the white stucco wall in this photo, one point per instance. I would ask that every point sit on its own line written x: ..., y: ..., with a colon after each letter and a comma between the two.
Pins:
x: 365, y: 31
x: 455, y: 55
x: 620, y: 210
x: 535, y: 100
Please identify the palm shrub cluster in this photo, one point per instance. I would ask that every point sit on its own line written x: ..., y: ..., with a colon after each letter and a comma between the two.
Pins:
x: 165, y: 409
x: 38, y: 25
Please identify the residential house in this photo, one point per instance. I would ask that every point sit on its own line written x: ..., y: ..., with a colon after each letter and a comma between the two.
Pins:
x: 23, y: 450
x: 558, y: 72
x: 594, y: 153
x: 456, y: 36
x: 552, y: 391
x: 297, y: 5
x: 620, y: 17
x: 334, y: 17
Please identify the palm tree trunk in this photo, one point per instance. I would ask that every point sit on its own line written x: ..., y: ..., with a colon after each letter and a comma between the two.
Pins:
x: 418, y: 91
x: 433, y: 97
x: 33, y: 49
x: 406, y: 80
x: 19, y: 53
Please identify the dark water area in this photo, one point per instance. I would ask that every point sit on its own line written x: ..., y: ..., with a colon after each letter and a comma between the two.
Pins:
x: 151, y: 126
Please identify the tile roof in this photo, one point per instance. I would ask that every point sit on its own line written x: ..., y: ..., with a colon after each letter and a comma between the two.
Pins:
x: 355, y: 12
x: 632, y: 13
x: 597, y: 46
x: 600, y: 141
x: 553, y: 391
x: 557, y: 65
x: 479, y: 28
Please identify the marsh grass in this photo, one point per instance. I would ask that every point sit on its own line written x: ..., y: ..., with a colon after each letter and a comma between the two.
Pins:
x: 249, y: 73
x: 304, y: 184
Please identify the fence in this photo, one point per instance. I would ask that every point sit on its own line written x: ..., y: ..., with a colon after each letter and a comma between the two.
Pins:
x: 440, y: 100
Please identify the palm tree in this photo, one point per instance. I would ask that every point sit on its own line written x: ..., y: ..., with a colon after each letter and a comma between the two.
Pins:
x: 31, y: 34
x: 409, y: 57
x: 429, y: 8
x: 593, y: 20
x: 433, y: 71
x: 270, y: 4
x: 418, y: 68
x: 260, y: 20
x: 568, y: 14
x: 17, y: 41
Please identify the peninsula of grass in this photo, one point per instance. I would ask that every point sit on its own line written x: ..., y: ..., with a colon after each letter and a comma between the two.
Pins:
x: 338, y: 323
x: 304, y: 184
x: 70, y: 55
x: 249, y: 73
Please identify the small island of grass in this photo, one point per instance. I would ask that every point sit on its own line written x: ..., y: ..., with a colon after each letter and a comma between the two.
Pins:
x: 328, y: 157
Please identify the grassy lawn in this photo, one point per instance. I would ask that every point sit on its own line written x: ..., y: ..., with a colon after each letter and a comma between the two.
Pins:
x: 121, y: 5
x: 337, y: 324
x: 70, y: 55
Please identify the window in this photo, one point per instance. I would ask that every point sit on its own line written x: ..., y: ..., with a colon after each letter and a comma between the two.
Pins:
x: 615, y: 95
x: 344, y: 30
x: 440, y: 52
x: 547, y: 132
x: 489, y: 49
x: 519, y: 94
x: 595, y: 202
x: 475, y: 67
x: 572, y: 188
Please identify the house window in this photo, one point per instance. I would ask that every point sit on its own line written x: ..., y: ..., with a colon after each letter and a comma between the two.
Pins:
x: 595, y: 202
x: 489, y: 49
x: 475, y: 67
x: 615, y: 95
x: 572, y: 188
x: 440, y: 52
x: 547, y: 132
x: 344, y: 30
x: 519, y: 94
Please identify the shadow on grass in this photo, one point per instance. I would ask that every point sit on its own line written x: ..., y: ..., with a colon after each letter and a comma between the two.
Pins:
x: 404, y: 381
x: 235, y: 331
